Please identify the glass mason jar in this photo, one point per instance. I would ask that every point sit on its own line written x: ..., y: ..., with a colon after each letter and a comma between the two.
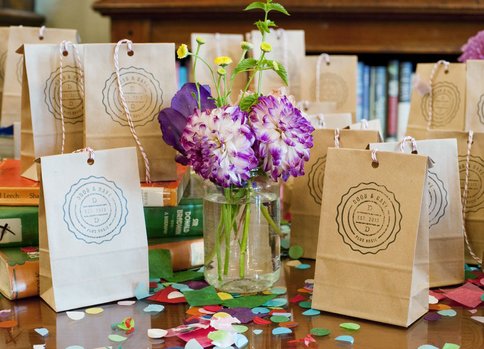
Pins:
x: 242, y: 236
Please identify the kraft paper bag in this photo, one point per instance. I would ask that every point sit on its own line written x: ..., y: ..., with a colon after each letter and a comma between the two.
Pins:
x: 307, y: 190
x: 92, y: 234
x: 47, y: 128
x: 12, y: 86
x: 438, y: 103
x: 148, y: 81
x: 364, y: 124
x: 475, y: 96
x: 474, y: 206
x: 446, y: 245
x: 372, y: 258
x: 328, y: 78
x: 3, y: 56
x: 217, y: 45
x: 288, y: 49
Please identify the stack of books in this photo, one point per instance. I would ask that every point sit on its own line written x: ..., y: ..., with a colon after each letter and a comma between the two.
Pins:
x: 173, y: 222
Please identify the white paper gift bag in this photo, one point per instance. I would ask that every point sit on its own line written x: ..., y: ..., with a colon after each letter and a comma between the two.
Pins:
x: 92, y: 234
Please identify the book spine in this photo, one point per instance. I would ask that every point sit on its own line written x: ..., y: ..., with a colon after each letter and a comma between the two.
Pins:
x: 182, y: 220
x: 381, y: 97
x: 359, y: 92
x: 372, y: 94
x: 19, y: 226
x: 185, y: 254
x: 366, y: 92
x: 19, y: 280
x: 19, y: 196
x: 392, y: 115
x: 405, y: 92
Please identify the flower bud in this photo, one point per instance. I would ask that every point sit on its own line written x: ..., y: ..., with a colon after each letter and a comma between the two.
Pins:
x: 265, y: 47
x: 200, y: 40
x: 222, y: 61
x: 246, y: 45
x: 221, y: 71
x: 182, y: 51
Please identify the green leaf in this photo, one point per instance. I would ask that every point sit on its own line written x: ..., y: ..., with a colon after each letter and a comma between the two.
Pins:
x: 262, y: 26
x: 256, y: 5
x: 271, y: 23
x: 277, y: 7
x: 281, y: 71
x: 247, y: 102
x: 244, y: 65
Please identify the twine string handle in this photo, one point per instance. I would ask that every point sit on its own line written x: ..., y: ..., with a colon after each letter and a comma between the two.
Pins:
x: 42, y: 32
x: 130, y: 52
x: 322, y: 57
x: 90, y: 154
x: 337, y: 143
x: 413, y: 143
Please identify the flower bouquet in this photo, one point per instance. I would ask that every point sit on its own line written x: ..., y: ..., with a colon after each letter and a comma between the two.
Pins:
x: 242, y: 149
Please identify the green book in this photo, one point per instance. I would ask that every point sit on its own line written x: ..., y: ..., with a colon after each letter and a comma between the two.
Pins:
x: 19, y: 226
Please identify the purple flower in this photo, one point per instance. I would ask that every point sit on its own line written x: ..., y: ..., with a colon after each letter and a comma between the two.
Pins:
x: 474, y: 48
x: 218, y: 145
x: 283, y: 136
x: 174, y: 119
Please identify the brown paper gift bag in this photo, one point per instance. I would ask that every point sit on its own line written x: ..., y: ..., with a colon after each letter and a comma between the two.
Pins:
x: 438, y: 97
x: 147, y: 75
x: 48, y: 126
x: 288, y: 49
x: 3, y: 56
x: 12, y: 87
x: 446, y: 245
x: 219, y: 45
x: 372, y: 257
x: 92, y: 235
x: 475, y: 96
x: 474, y: 206
x: 307, y: 190
x: 331, y: 79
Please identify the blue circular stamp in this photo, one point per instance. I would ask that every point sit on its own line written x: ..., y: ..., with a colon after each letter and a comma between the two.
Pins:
x: 95, y: 210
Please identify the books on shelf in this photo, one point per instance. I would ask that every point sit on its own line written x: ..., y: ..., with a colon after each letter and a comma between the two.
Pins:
x: 18, y: 191
x: 392, y: 105
x: 19, y: 272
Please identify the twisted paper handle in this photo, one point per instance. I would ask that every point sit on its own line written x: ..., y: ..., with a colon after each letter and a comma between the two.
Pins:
x: 326, y: 58
x: 337, y: 143
x: 90, y: 151
x: 470, y: 140
x: 129, y: 45
x: 410, y: 140
x: 41, y: 32
x: 431, y: 81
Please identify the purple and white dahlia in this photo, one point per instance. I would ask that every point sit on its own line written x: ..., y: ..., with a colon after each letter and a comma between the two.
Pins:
x: 283, y: 136
x: 218, y: 144
x: 474, y: 48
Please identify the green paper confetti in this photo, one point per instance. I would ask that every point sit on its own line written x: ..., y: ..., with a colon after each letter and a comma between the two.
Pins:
x: 350, y: 326
x: 160, y: 264
x: 305, y: 304
x: 296, y: 251
x: 240, y: 328
x: 320, y: 332
x: 204, y: 296
x: 279, y: 318
x: 450, y: 346
x: 186, y: 275
x: 248, y: 301
x: 116, y: 338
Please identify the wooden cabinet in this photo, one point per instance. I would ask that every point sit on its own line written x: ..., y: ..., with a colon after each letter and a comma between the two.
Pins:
x: 335, y: 26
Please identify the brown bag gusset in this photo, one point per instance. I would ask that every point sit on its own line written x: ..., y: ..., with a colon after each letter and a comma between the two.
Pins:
x: 125, y: 90
x: 307, y: 190
x: 372, y: 256
x: 475, y: 95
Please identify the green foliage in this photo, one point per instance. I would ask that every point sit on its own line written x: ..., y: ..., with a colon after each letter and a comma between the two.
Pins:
x: 245, y: 65
x: 281, y: 71
x: 267, y: 7
x: 248, y: 101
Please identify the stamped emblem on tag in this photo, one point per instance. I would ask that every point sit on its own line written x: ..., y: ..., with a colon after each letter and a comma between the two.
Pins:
x: 480, y: 109
x: 142, y: 92
x: 368, y: 218
x: 95, y: 210
x: 333, y: 89
x: 445, y: 103
x: 316, y: 178
x: 437, y: 199
x: 475, y: 183
x: 72, y: 101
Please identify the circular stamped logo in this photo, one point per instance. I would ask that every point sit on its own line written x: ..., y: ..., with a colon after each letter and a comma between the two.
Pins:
x: 445, y: 103
x: 72, y: 101
x: 368, y: 218
x: 95, y: 210
x: 480, y: 109
x: 333, y: 88
x: 3, y: 57
x: 316, y: 178
x: 142, y: 92
x: 475, y: 183
x: 437, y: 199
x: 20, y: 68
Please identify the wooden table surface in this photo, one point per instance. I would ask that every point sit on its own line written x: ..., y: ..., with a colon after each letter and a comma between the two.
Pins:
x: 93, y: 330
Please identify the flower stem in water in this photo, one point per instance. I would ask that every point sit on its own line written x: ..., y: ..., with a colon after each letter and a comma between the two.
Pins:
x: 243, y: 245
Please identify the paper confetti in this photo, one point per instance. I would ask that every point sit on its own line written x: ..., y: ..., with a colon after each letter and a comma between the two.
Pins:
x: 293, y: 263
x: 116, y: 338
x: 75, y: 315
x: 281, y: 330
x: 450, y: 346
x: 39, y: 346
x: 154, y: 308
x: 320, y: 332
x: 288, y: 324
x: 42, y: 331
x: 347, y: 339
x: 427, y: 346
x: 276, y: 302
x: 156, y: 333
x: 141, y: 291
x: 259, y: 321
x: 240, y: 340
x: 8, y: 324
x: 94, y: 311
x: 447, y: 312
x: 257, y: 331
x: 260, y: 310
x: 186, y: 275
x: 478, y: 319
x: 432, y: 316
x: 303, y: 266
x: 205, y: 296
x: 350, y: 326
x: 126, y: 303
x: 224, y: 296
x: 296, y: 251
x: 468, y: 295
x: 433, y: 300
x: 193, y: 344
x: 278, y: 290
x: 305, y: 304
x: 240, y: 328
x: 311, y: 312
x: 248, y: 301
x: 221, y: 338
x: 278, y: 318
x: 75, y: 347
x: 297, y: 298
x: 181, y: 287
x: 244, y: 315
x: 162, y: 296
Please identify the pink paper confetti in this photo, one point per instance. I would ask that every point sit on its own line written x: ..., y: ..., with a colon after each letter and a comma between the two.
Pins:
x: 200, y: 335
x: 438, y: 295
x: 468, y: 295
x: 297, y: 298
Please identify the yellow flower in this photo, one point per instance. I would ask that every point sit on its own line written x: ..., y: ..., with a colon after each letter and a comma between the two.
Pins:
x: 200, y: 40
x: 275, y: 65
x: 182, y: 51
x: 265, y: 46
x: 221, y: 71
x: 222, y: 61
x: 246, y: 45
